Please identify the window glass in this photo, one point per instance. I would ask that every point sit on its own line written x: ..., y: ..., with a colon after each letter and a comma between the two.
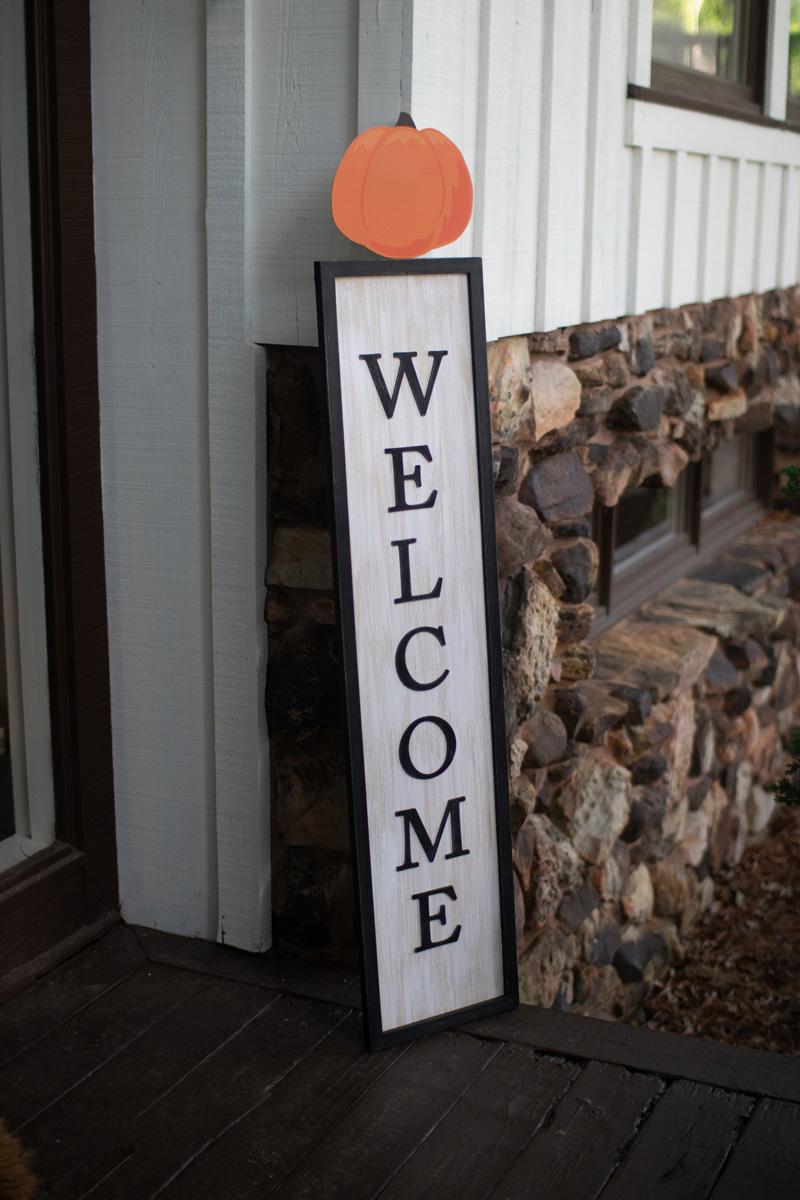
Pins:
x: 794, y: 50
x: 644, y: 514
x: 723, y: 472
x: 711, y: 36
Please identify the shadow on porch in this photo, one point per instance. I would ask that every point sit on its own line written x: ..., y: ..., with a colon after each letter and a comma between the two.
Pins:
x: 155, y: 1065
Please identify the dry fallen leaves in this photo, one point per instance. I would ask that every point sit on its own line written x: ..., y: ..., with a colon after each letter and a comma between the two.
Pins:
x: 739, y: 980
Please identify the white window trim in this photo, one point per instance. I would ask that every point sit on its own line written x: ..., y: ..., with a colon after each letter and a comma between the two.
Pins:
x: 662, y: 127
x: 776, y: 81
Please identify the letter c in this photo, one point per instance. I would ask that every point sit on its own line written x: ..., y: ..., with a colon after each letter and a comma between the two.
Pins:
x: 401, y: 666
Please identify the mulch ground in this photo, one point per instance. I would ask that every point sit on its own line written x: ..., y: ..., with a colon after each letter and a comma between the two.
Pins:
x: 739, y: 980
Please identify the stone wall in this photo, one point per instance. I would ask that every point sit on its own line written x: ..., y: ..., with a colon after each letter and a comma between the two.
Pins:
x: 637, y: 760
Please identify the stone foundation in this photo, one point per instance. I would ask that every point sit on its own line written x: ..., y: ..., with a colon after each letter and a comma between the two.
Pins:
x: 637, y: 760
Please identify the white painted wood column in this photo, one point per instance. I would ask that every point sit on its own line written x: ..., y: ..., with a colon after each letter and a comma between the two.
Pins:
x: 237, y: 482
x: 184, y: 465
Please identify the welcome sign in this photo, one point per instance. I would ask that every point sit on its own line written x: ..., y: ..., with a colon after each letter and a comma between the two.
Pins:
x: 404, y: 355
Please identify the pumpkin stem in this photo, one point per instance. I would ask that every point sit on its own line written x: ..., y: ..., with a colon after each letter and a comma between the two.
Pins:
x: 405, y: 119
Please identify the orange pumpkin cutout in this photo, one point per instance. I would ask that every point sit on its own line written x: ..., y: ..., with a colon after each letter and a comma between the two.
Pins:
x: 402, y: 191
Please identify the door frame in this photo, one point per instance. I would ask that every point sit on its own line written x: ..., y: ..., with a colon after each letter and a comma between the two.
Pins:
x: 65, y: 895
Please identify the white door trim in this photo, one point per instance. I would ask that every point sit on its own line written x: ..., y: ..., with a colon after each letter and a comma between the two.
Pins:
x: 22, y: 565
x: 237, y: 453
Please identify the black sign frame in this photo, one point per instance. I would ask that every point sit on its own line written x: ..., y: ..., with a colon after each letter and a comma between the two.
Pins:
x: 326, y: 274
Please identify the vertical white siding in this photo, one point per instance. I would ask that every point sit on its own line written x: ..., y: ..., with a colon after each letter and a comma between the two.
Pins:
x: 744, y: 238
x: 769, y: 226
x: 505, y: 231
x: 587, y: 204
x: 650, y: 269
x: 445, y: 87
x: 148, y: 84
x: 790, y: 249
x: 303, y: 92
x: 237, y: 446
x: 606, y: 230
x: 732, y: 200
x: 562, y: 162
x: 683, y: 246
x: 184, y: 463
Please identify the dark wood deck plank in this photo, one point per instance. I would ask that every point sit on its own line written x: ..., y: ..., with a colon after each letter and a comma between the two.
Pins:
x: 365, y: 1149
x: 672, y: 1055
x: 578, y: 1151
x: 683, y: 1146
x: 766, y: 1160
x: 290, y: 976
x: 33, y: 1013
x: 82, y: 1137
x: 56, y: 1063
x: 278, y: 1133
x: 218, y: 1093
x: 476, y: 1143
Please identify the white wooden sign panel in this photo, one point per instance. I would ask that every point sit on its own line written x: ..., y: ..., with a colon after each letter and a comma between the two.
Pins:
x: 411, y: 474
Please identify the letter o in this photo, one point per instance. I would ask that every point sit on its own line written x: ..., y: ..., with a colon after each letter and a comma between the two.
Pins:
x: 449, y: 752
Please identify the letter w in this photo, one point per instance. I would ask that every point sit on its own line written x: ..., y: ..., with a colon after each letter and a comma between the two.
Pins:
x: 412, y: 820
x: 406, y: 370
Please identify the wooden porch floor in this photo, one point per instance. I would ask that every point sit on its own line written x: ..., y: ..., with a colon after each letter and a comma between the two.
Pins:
x: 152, y: 1065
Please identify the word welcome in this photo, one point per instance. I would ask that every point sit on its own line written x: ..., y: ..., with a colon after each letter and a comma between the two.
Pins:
x: 406, y: 464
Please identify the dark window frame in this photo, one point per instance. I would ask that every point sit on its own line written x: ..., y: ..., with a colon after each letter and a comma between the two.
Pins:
x: 622, y: 588
x: 682, y: 87
x: 792, y: 106
x: 66, y: 894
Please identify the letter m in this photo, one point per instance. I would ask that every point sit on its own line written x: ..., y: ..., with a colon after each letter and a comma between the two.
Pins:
x: 406, y: 370
x: 413, y: 821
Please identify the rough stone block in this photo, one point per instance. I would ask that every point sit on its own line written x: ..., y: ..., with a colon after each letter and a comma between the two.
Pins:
x: 717, y: 608
x: 723, y: 378
x: 521, y: 536
x: 541, y: 970
x: 639, y: 947
x: 643, y: 358
x: 726, y: 407
x: 528, y: 399
x: 558, y: 487
x: 585, y: 342
x: 577, y: 661
x: 648, y: 768
x: 301, y: 558
x: 576, y: 907
x: 555, y: 396
x: 576, y: 562
x: 613, y: 469
x: 574, y: 622
x: 595, y: 804
x: 637, y: 409
x: 637, y: 898
x: 676, y: 656
x: 545, y: 739
x: 530, y: 615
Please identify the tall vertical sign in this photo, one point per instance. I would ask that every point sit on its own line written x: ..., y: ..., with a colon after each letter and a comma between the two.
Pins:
x: 404, y: 354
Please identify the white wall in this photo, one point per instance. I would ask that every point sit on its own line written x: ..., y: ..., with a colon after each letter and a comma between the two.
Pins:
x: 218, y: 126
x: 588, y: 205
x: 183, y: 460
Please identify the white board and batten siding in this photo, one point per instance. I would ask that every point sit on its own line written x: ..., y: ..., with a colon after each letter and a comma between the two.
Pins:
x: 184, y: 463
x: 218, y: 126
x: 588, y: 205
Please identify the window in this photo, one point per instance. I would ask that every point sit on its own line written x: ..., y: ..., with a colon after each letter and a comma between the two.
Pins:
x: 793, y: 89
x: 655, y: 534
x: 710, y: 55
